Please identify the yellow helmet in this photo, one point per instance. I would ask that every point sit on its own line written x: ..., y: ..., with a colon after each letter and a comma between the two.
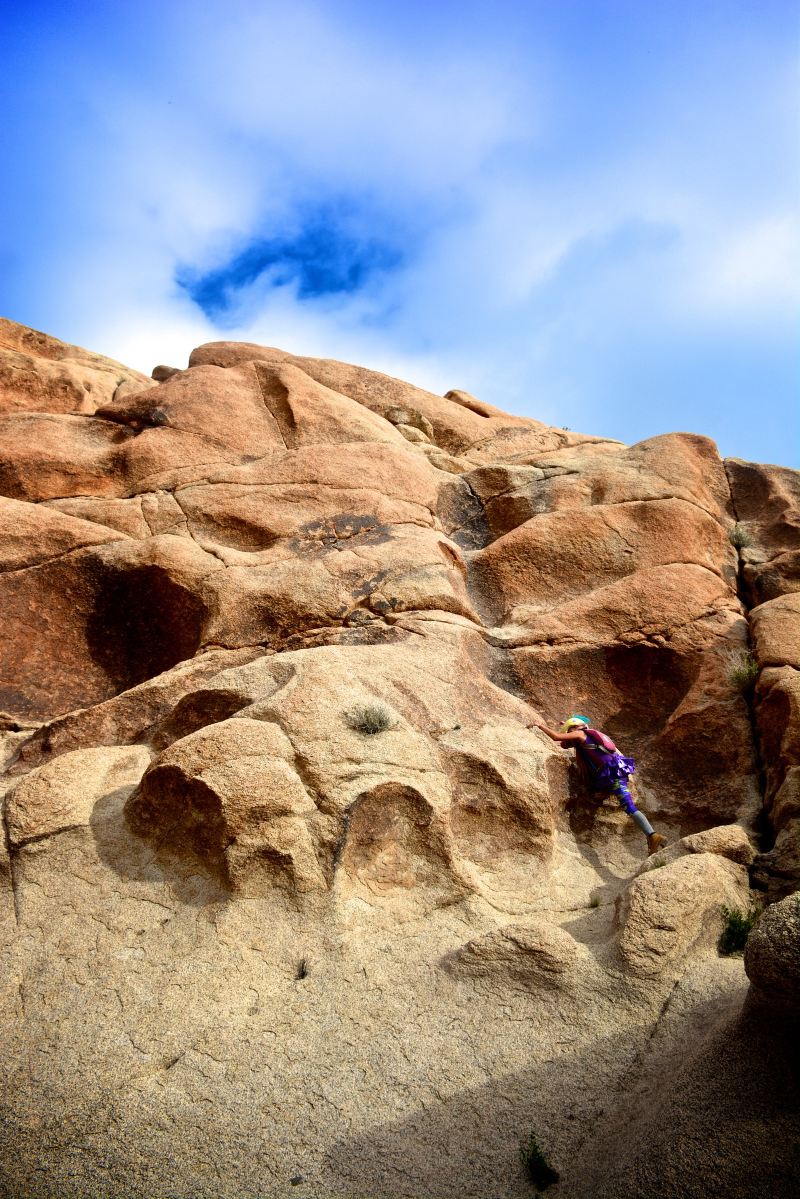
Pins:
x: 574, y: 722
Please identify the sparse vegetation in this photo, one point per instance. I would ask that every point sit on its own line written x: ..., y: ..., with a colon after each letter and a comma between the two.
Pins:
x: 743, y: 672
x: 736, y: 929
x: 536, y: 1166
x: 370, y: 719
x: 740, y: 537
x: 594, y: 902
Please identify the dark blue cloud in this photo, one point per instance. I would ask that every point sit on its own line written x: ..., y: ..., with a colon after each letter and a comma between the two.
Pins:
x: 322, y: 258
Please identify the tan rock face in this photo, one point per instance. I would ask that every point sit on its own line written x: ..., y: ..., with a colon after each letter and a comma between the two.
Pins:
x: 767, y: 500
x: 63, y: 794
x: 258, y: 500
x: 274, y: 629
x: 414, y: 810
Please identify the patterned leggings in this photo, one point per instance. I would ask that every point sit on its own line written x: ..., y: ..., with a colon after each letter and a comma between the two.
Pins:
x: 623, y: 794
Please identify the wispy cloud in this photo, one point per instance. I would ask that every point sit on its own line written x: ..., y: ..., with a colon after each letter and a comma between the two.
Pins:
x: 325, y: 254
x: 586, y: 213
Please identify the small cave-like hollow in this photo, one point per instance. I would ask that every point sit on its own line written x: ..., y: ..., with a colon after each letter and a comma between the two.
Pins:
x: 649, y: 683
x: 182, y: 816
x: 143, y: 623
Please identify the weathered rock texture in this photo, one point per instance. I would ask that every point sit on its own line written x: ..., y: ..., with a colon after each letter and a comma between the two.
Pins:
x: 294, y: 901
x: 772, y: 955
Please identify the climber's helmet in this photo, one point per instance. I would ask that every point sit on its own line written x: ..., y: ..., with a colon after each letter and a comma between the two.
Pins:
x: 574, y: 722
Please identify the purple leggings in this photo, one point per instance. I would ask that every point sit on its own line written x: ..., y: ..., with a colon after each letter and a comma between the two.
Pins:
x: 623, y: 794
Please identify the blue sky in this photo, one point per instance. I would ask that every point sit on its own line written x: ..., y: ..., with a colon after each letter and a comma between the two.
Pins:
x: 580, y: 210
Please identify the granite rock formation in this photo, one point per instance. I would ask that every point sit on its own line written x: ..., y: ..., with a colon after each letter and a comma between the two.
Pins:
x: 287, y: 880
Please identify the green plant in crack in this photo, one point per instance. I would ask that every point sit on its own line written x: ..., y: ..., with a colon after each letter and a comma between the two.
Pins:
x: 743, y: 672
x: 536, y: 1166
x: 736, y: 928
x: 739, y: 536
x: 369, y: 719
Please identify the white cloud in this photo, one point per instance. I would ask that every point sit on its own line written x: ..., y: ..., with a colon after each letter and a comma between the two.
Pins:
x: 758, y: 266
x: 543, y: 251
x: 344, y: 102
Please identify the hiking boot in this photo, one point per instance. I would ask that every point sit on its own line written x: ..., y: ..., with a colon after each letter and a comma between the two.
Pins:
x: 654, y: 843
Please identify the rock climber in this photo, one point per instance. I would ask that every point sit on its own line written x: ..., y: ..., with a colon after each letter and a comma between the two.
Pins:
x: 604, y: 769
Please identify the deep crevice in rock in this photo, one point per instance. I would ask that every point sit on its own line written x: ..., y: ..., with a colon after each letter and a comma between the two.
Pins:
x: 764, y: 830
x: 12, y: 869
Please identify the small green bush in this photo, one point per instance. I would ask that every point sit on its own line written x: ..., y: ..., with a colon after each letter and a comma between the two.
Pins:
x: 594, y: 902
x: 536, y: 1166
x: 370, y: 719
x: 736, y: 929
x: 743, y: 672
x: 740, y: 537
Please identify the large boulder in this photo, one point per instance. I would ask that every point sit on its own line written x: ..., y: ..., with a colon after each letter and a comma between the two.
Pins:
x: 668, y: 914
x: 772, y: 954
x: 538, y: 955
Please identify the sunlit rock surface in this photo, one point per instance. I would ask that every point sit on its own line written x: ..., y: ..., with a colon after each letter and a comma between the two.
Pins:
x: 291, y: 899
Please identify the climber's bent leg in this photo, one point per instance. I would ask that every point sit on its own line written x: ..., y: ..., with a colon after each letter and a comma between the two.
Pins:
x: 622, y: 792
x: 643, y: 822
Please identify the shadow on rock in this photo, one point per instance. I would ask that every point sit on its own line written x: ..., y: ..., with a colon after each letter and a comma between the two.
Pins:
x: 714, y: 1114
x: 134, y: 858
x: 467, y: 1146
x: 717, y: 1113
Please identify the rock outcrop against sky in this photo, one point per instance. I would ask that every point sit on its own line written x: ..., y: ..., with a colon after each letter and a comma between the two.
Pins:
x: 293, y: 901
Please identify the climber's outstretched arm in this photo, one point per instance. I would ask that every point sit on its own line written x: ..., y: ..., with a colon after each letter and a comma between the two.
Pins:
x: 571, y: 738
